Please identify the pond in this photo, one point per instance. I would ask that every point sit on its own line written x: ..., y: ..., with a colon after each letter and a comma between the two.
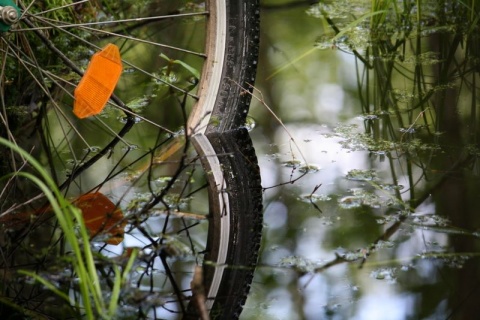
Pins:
x: 364, y: 121
x: 371, y: 177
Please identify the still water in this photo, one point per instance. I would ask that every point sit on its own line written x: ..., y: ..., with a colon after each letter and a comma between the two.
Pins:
x: 366, y: 131
x: 371, y: 183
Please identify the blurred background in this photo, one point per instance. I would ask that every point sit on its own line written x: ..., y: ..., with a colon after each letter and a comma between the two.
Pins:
x: 370, y: 176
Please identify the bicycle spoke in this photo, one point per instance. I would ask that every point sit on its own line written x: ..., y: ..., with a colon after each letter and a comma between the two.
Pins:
x: 137, y: 151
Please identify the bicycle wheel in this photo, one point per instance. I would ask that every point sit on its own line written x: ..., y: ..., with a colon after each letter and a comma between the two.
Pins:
x: 186, y: 67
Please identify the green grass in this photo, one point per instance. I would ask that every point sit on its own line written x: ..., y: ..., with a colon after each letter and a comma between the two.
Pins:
x: 92, y: 302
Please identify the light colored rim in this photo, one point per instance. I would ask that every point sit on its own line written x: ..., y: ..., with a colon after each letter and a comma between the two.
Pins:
x: 197, y: 124
x: 221, y: 206
x: 212, y: 69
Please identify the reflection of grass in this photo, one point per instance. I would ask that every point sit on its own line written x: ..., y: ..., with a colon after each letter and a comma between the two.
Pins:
x: 412, y: 62
x: 417, y: 76
x: 417, y: 69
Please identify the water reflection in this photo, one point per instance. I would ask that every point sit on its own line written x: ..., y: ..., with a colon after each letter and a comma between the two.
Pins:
x: 386, y: 228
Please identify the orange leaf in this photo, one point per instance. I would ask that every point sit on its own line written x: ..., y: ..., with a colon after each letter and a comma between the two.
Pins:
x: 98, y: 82
x: 101, y: 216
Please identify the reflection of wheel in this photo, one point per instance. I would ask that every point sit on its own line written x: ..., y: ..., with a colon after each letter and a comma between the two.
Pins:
x: 236, y: 224
x: 185, y: 64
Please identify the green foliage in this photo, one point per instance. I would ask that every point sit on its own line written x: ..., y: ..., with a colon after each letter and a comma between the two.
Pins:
x: 171, y: 62
x: 92, y: 300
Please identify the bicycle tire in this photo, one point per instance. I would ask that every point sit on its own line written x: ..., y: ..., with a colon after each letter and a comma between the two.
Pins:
x: 239, y: 38
x: 232, y: 248
x: 234, y: 179
x: 221, y: 111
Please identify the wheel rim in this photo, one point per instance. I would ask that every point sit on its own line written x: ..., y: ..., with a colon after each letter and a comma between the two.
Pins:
x: 61, y: 122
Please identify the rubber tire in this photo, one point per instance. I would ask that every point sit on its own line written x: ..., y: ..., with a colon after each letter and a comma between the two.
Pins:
x: 240, y: 66
x: 230, y: 144
x: 242, y: 175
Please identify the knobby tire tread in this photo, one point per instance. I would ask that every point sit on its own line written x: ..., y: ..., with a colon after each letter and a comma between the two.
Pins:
x: 242, y: 176
x: 235, y: 152
x: 232, y: 104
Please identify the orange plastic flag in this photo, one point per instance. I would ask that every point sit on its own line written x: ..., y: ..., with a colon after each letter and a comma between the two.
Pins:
x: 98, y: 82
x: 101, y: 216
